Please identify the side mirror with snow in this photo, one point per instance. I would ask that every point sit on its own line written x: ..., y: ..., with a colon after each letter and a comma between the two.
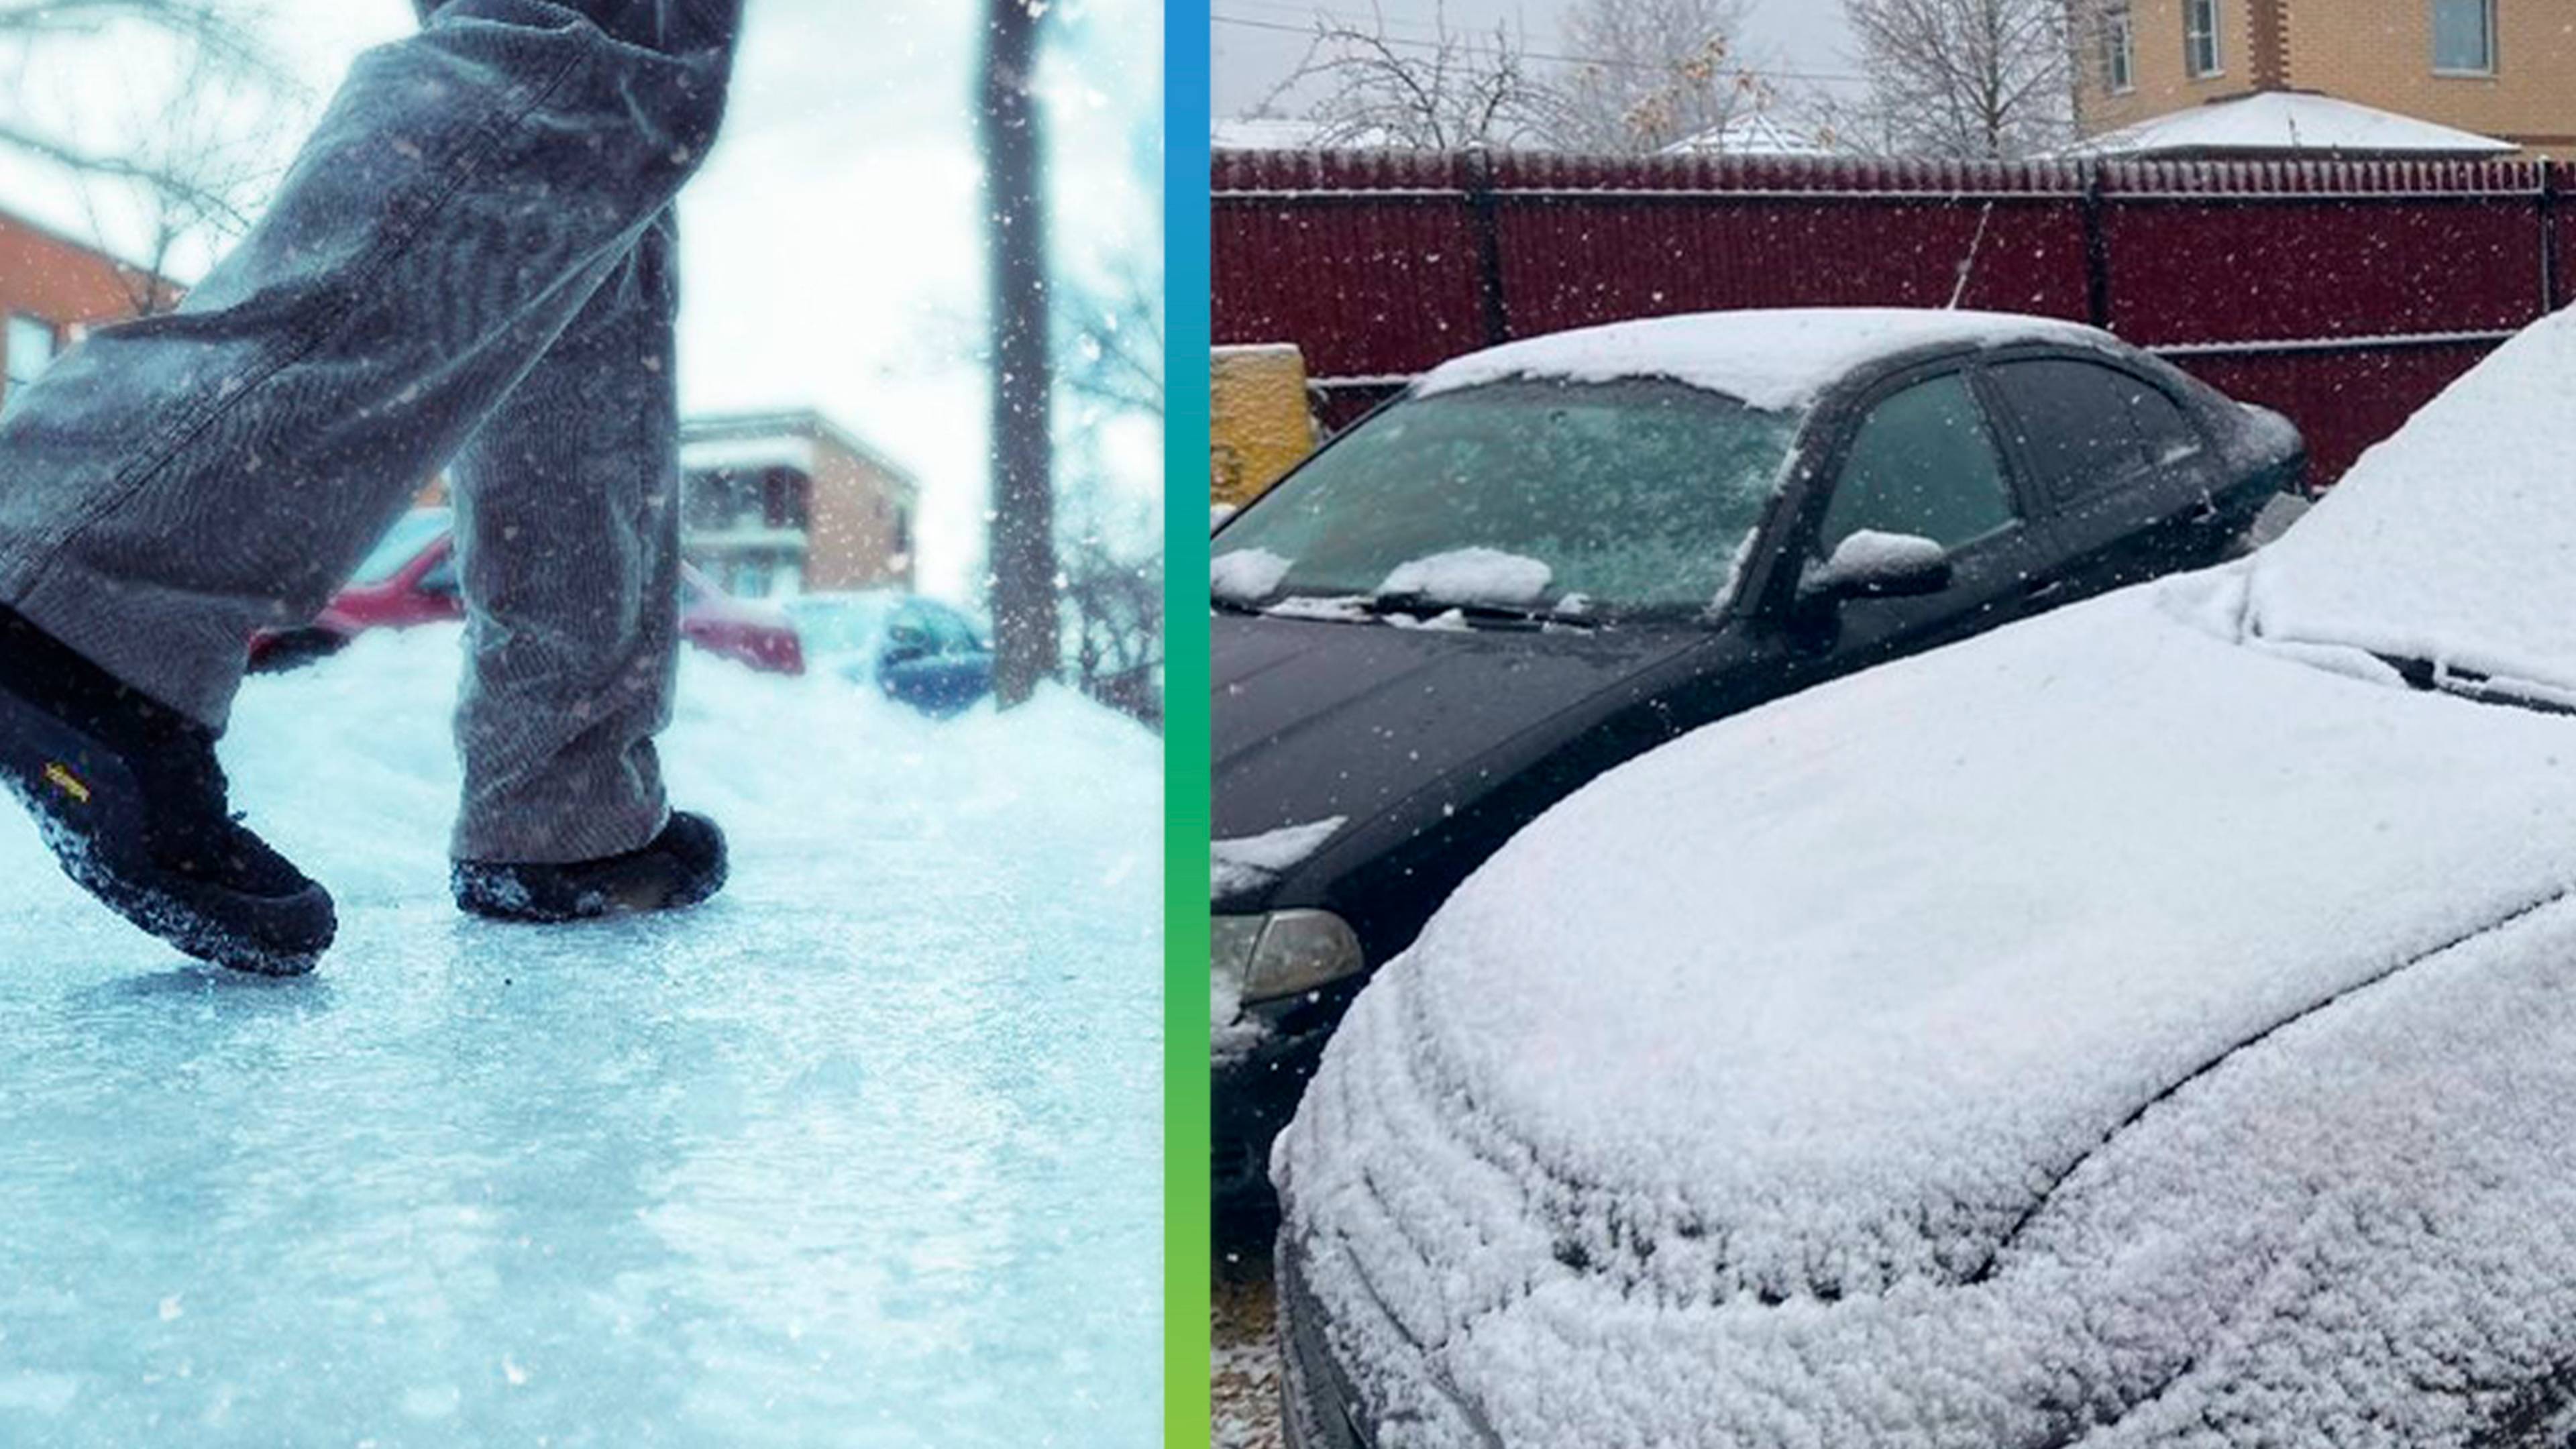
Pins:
x: 1870, y: 565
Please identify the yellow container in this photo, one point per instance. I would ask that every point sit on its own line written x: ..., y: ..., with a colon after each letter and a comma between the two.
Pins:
x: 1260, y: 425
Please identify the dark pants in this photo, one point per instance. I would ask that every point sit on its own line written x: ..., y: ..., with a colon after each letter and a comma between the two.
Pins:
x: 470, y: 264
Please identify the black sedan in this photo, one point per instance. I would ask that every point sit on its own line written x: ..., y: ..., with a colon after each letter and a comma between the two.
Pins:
x: 1551, y: 557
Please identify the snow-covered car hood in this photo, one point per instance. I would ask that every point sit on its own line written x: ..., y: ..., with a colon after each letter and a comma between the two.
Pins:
x: 2453, y: 542
x: 1807, y: 1021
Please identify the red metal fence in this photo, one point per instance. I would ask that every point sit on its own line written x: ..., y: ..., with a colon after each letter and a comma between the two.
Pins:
x: 2343, y: 294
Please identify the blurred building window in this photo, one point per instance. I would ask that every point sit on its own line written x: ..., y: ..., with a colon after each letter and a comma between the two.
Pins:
x: 2200, y: 52
x: 2464, y: 37
x: 2119, y: 50
x: 29, y: 346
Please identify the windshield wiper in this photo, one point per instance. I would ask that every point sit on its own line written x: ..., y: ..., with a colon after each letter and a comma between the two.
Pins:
x: 1232, y: 606
x: 1418, y: 603
x: 2429, y: 677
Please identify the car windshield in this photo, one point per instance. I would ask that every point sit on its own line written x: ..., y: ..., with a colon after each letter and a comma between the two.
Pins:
x: 414, y: 533
x: 1593, y: 499
x: 827, y: 625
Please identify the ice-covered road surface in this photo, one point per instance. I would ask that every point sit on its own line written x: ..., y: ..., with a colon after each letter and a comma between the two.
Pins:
x: 865, y: 1152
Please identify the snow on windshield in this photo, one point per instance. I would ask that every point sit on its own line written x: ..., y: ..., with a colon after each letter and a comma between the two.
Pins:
x: 1246, y: 575
x: 1637, y: 495
x: 1471, y: 576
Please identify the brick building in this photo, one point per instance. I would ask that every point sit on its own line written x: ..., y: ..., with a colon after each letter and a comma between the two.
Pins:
x: 775, y: 504
x: 2504, y: 69
x: 52, y: 290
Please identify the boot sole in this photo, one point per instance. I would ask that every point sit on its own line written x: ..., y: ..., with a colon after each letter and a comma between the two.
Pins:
x: 89, y: 810
x: 637, y: 895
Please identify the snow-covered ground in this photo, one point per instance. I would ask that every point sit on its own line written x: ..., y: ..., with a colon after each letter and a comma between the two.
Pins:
x: 867, y: 1151
x: 1244, y: 1365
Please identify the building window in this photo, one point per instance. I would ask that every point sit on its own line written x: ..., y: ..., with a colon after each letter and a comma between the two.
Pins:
x: 2200, y: 53
x: 2119, y: 51
x: 2464, y: 37
x: 28, y: 346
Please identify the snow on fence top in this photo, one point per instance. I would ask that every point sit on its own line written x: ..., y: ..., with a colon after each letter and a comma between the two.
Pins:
x: 1325, y: 174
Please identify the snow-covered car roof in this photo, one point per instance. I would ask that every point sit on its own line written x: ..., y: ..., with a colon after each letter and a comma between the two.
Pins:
x: 1772, y: 360
x: 2131, y: 1017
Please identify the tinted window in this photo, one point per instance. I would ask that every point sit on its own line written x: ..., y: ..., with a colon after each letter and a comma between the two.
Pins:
x: 441, y: 576
x: 955, y: 634
x: 2085, y: 426
x: 932, y: 629
x: 1924, y: 464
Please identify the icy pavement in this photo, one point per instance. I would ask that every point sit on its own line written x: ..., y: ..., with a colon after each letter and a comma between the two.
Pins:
x: 865, y: 1152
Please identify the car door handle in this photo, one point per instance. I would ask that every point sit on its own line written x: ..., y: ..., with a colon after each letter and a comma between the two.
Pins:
x: 2041, y: 593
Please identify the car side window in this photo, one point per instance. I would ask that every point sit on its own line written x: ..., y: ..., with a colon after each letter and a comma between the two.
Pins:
x: 1923, y: 463
x: 955, y: 636
x: 440, y: 578
x: 911, y: 634
x: 2086, y: 426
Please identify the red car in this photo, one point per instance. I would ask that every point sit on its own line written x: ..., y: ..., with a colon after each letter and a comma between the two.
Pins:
x: 410, y: 579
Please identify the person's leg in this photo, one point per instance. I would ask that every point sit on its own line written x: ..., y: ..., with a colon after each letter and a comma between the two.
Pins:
x: 178, y: 482
x: 567, y: 523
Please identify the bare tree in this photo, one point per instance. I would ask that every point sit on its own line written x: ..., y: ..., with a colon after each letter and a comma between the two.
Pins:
x: 1026, y: 628
x: 208, y: 152
x: 1113, y: 343
x: 1115, y: 593
x: 1654, y: 72
x: 1455, y: 91
x: 1111, y: 367
x: 1965, y: 78
x: 171, y: 146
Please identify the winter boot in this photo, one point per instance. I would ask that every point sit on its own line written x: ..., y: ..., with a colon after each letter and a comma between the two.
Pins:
x: 682, y: 866
x: 132, y: 803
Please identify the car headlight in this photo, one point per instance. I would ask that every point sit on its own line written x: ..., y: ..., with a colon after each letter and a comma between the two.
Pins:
x: 1285, y: 953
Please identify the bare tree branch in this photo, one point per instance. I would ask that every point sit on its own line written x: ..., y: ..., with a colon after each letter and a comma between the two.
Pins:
x: 1656, y: 72
x: 1985, y: 79
x: 1458, y: 92
x: 171, y: 146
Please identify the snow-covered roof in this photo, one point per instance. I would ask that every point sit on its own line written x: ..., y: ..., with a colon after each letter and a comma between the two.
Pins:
x: 748, y: 455
x: 1773, y: 360
x: 1755, y: 134
x: 749, y: 442
x: 2289, y: 122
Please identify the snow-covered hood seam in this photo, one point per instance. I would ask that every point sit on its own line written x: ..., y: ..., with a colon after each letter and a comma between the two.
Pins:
x: 2039, y: 1203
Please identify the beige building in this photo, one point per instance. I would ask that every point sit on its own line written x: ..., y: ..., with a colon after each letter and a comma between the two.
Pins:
x: 775, y: 504
x: 2504, y: 69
